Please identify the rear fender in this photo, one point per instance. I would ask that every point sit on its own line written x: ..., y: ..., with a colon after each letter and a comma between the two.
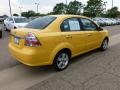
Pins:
x: 59, y: 48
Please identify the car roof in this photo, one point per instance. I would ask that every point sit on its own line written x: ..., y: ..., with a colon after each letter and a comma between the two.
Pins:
x: 66, y: 16
x: 17, y: 17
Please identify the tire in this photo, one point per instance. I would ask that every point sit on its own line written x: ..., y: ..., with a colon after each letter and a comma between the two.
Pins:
x: 61, y: 61
x: 15, y: 27
x: 104, y: 45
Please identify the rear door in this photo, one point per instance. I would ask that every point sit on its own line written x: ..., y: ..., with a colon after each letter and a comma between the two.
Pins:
x: 93, y: 35
x: 71, y: 31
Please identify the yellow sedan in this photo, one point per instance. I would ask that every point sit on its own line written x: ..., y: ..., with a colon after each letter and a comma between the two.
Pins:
x: 55, y: 39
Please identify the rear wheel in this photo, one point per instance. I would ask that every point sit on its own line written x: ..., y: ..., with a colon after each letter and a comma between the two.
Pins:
x: 104, y: 45
x: 61, y: 61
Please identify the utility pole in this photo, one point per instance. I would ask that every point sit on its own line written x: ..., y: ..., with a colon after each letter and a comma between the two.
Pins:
x: 112, y: 3
x: 20, y: 9
x: 105, y: 6
x: 66, y: 2
x: 10, y: 8
x: 37, y: 4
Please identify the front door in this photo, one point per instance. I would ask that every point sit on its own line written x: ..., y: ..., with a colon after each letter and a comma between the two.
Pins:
x: 92, y: 34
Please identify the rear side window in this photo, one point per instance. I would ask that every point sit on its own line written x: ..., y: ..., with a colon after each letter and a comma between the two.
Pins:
x: 40, y: 23
x: 65, y: 26
x: 88, y: 25
x: 71, y: 24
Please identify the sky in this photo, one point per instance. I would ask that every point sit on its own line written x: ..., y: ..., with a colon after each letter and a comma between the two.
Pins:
x: 45, y: 6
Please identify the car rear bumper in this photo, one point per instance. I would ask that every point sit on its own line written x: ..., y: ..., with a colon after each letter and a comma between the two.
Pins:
x: 29, y: 57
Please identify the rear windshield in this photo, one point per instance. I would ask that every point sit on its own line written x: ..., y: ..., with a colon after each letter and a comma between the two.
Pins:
x: 40, y: 23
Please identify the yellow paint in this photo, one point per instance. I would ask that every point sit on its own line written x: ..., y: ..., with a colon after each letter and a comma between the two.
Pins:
x: 53, y: 40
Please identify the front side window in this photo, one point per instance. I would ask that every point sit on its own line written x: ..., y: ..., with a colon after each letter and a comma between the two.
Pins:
x: 71, y: 24
x: 10, y: 19
x: 88, y: 25
x: 40, y: 23
x: 20, y: 20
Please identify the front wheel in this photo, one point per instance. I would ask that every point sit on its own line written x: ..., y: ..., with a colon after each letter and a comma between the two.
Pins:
x: 61, y: 61
x: 104, y: 45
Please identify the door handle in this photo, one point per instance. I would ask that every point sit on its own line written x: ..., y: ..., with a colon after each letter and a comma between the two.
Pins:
x: 68, y: 36
x: 89, y: 34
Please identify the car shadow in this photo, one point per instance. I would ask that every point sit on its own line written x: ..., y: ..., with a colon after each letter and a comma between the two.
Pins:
x: 83, y: 58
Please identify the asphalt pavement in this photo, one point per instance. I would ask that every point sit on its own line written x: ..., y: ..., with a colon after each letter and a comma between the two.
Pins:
x: 95, y: 70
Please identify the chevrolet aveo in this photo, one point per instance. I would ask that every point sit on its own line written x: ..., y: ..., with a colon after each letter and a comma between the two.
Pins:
x: 54, y: 40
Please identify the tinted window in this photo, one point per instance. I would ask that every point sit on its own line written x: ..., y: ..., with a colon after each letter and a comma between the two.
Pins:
x: 65, y: 26
x: 10, y: 19
x: 88, y: 25
x: 20, y: 20
x: 71, y: 24
x: 40, y: 23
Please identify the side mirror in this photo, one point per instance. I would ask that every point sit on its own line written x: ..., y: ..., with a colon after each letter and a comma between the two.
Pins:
x: 100, y: 29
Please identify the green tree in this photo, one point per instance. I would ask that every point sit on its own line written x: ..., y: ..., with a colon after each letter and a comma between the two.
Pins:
x: 74, y: 7
x: 28, y: 14
x: 94, y: 8
x: 113, y: 12
x: 50, y: 13
x: 15, y: 14
x: 37, y: 14
x: 59, y: 9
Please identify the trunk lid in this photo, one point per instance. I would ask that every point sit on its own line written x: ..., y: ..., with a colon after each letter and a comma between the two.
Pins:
x: 17, y: 37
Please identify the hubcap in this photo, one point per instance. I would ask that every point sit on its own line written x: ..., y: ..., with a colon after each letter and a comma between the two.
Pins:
x: 105, y: 44
x: 62, y: 60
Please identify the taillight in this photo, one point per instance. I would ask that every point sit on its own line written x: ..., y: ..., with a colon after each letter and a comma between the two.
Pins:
x: 31, y: 40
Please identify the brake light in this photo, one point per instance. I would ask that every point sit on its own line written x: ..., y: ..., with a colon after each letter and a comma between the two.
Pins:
x: 31, y: 40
